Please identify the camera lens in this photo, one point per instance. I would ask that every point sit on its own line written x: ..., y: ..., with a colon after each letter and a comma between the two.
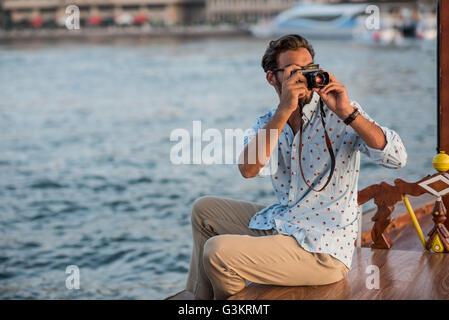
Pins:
x: 319, y: 79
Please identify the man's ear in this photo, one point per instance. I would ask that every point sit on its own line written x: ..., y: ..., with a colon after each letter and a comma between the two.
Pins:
x: 270, y: 78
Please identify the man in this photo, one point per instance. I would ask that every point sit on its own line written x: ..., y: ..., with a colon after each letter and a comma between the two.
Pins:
x: 308, y: 236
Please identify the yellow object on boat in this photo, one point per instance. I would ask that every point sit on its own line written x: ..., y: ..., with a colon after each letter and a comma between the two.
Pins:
x: 437, y: 245
x: 441, y: 162
x: 414, y: 220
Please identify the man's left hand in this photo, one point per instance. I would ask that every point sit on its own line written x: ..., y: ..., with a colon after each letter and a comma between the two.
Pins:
x: 334, y: 95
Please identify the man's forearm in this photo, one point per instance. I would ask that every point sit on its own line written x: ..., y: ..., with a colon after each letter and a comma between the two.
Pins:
x: 251, y: 164
x: 371, y: 133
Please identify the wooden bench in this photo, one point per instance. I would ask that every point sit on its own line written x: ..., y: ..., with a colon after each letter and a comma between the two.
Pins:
x: 402, y: 275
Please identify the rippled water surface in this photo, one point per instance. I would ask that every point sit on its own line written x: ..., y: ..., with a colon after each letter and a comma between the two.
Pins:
x: 85, y: 172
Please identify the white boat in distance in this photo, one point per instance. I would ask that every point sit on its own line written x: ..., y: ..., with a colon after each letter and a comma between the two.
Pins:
x: 313, y: 21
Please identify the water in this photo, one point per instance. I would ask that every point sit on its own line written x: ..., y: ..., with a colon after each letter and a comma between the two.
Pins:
x: 85, y: 172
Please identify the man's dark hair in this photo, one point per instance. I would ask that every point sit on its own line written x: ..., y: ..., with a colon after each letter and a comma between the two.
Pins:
x: 285, y: 43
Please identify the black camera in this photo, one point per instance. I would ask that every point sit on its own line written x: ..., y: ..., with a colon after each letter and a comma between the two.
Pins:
x: 315, y: 77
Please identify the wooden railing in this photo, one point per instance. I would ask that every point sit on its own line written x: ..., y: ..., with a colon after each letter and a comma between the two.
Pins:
x: 386, y: 196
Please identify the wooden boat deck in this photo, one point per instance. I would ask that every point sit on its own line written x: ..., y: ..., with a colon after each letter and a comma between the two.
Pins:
x: 402, y: 275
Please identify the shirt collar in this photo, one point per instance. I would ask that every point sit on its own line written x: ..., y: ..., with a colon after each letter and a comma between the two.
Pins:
x: 309, y: 108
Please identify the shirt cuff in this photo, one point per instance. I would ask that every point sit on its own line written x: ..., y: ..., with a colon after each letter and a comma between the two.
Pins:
x: 388, y: 156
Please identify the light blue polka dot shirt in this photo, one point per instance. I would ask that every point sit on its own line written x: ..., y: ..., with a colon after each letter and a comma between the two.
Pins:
x: 326, y: 221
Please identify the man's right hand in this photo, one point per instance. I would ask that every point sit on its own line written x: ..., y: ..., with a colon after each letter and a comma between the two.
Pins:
x: 294, y: 88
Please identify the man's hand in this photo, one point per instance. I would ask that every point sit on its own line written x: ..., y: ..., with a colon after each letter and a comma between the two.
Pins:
x: 336, y: 98
x: 334, y: 95
x: 294, y: 88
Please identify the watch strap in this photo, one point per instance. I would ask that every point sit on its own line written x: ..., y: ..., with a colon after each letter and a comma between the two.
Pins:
x: 352, y: 116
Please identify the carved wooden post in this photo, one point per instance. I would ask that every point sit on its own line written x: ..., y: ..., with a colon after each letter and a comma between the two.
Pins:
x: 438, y: 236
x: 381, y: 221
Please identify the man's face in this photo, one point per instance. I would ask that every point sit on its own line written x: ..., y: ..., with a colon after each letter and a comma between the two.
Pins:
x: 300, y: 58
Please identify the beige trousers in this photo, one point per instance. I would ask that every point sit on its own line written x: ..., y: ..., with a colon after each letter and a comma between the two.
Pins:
x: 226, y: 253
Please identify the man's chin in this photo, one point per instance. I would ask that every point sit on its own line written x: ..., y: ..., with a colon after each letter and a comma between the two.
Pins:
x: 304, y: 101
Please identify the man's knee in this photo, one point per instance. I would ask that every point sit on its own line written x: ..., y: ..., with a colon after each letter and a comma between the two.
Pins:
x: 216, y: 249
x: 219, y: 251
x: 201, y: 206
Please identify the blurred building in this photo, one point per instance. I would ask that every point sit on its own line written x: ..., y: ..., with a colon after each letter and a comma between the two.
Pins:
x: 47, y: 13
x: 244, y: 11
x: 104, y: 12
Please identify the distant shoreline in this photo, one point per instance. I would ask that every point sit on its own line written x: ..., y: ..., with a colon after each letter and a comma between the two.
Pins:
x: 112, y: 32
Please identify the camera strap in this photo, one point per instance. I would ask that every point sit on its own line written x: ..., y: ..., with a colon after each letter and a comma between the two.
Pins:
x: 329, y: 148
